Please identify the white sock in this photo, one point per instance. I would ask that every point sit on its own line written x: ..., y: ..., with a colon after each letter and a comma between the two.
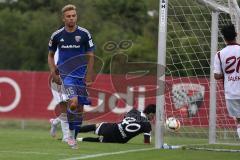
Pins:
x: 238, y: 130
x: 56, y: 121
x: 71, y: 134
x: 64, y: 126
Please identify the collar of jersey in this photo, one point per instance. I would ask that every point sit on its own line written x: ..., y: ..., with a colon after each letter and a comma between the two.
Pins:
x: 233, y: 43
x: 70, y: 32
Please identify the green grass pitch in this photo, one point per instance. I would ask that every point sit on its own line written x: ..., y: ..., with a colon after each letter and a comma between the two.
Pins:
x: 36, y: 144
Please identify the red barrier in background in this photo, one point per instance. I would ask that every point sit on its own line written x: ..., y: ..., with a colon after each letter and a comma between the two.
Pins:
x: 27, y: 95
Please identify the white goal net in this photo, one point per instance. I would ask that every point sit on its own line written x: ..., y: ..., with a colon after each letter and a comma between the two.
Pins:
x: 188, y: 61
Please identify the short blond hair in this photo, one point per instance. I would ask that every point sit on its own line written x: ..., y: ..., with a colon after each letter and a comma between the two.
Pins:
x: 68, y: 7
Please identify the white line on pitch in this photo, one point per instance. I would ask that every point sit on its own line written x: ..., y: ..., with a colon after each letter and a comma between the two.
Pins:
x: 108, y: 154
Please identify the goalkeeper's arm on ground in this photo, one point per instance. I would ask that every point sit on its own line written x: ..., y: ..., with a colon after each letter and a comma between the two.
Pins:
x: 147, y: 138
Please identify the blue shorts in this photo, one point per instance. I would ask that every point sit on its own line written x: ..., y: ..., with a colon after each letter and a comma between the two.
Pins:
x: 76, y: 87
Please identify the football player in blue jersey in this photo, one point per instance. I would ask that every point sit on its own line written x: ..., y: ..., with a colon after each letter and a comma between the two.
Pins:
x: 74, y: 68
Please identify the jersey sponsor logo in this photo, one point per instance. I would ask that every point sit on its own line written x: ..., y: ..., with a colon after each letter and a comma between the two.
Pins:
x: 77, y: 38
x: 70, y: 46
x: 62, y: 40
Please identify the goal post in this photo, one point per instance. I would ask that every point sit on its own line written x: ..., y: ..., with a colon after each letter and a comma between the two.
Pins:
x: 189, y: 38
x: 159, y: 131
x: 212, y: 104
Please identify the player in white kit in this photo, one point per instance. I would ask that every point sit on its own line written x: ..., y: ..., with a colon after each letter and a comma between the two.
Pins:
x: 227, y: 67
x: 60, y: 98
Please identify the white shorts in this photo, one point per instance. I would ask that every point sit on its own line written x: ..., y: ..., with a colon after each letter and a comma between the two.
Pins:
x: 233, y: 107
x: 58, y: 92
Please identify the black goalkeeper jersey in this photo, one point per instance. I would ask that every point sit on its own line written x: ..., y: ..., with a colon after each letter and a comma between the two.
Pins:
x: 133, y: 124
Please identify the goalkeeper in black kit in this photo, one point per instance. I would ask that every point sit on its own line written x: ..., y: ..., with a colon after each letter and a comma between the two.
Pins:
x: 133, y: 124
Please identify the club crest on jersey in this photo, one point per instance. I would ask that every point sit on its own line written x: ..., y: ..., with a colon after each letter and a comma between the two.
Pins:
x: 188, y: 96
x: 77, y: 38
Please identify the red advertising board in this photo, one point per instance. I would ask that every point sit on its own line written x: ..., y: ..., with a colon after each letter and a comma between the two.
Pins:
x: 27, y: 95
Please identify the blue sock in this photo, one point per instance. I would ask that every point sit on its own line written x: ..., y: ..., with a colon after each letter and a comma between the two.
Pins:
x: 75, y: 121
x: 78, y: 123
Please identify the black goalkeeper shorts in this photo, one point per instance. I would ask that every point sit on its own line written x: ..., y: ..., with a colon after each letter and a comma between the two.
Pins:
x: 109, y: 132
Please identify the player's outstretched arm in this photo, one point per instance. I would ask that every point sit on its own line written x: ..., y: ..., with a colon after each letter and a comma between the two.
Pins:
x: 147, y: 138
